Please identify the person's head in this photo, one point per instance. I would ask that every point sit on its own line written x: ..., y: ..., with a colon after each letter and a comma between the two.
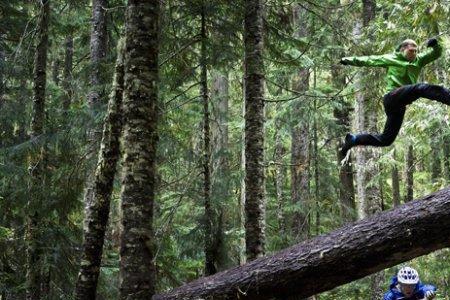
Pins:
x: 407, y: 278
x: 409, y: 49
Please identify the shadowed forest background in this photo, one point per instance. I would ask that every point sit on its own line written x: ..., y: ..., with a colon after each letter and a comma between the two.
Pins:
x: 64, y: 66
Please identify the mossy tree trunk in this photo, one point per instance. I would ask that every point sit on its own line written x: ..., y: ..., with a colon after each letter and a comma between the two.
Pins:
x: 210, y: 251
x: 300, y: 135
x: 36, y: 164
x: 255, y: 206
x: 97, y: 212
x: 140, y: 112
x: 95, y: 97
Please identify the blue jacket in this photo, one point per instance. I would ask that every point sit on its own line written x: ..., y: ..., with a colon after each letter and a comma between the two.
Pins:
x: 419, y: 292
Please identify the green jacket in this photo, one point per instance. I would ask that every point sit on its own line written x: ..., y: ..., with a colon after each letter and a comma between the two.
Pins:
x: 399, y: 70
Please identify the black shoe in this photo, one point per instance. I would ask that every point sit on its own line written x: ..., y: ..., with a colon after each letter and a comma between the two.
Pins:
x: 348, y: 144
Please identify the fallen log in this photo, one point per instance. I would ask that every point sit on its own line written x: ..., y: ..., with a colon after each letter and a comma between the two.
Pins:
x: 327, y: 261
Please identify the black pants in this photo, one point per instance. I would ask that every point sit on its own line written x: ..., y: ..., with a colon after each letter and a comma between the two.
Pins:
x: 395, y: 103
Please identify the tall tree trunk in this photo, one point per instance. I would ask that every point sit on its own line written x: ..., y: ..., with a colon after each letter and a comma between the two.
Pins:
x: 221, y: 181
x: 316, y: 170
x: 140, y: 104
x: 242, y: 247
x: 210, y: 251
x: 98, y: 48
x: 446, y: 149
x: 300, y: 142
x: 67, y: 74
x: 368, y: 191
x: 36, y: 168
x: 409, y: 173
x: 2, y: 74
x: 346, y: 186
x: 436, y: 145
x: 96, y: 214
x: 279, y: 176
x: 395, y: 183
x: 255, y: 209
x: 98, y: 44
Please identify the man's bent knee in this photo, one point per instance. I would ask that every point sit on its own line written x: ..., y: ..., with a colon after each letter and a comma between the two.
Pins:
x: 386, y: 141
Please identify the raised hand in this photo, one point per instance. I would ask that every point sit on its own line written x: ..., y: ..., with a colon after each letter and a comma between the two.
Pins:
x: 432, y: 42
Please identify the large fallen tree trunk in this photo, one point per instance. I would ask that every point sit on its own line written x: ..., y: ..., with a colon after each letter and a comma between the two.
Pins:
x: 320, y: 264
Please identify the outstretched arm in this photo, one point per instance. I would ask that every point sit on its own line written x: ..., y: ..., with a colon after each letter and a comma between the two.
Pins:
x: 432, y: 54
x: 385, y: 60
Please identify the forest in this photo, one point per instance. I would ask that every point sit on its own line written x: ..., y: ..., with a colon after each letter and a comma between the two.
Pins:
x: 193, y: 149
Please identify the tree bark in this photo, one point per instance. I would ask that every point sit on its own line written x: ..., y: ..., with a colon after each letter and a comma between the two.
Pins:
x: 96, y: 214
x: 98, y: 48
x: 210, y: 251
x: 221, y: 180
x: 316, y: 169
x: 368, y: 192
x: 241, y: 201
x: 254, y: 130
x: 395, y: 184
x: 436, y: 145
x: 140, y: 112
x: 67, y: 74
x: 98, y: 44
x: 36, y: 164
x: 314, y: 266
x: 409, y: 173
x: 446, y: 149
x: 2, y: 71
x: 346, y: 186
x: 300, y: 154
x: 279, y: 176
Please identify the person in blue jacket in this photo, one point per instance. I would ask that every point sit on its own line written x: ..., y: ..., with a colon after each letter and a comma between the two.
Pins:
x: 406, y: 285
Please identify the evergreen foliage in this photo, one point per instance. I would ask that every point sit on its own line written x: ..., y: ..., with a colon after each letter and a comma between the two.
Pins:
x: 179, y: 212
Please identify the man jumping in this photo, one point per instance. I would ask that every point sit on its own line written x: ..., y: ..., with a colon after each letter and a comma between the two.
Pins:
x: 403, y: 69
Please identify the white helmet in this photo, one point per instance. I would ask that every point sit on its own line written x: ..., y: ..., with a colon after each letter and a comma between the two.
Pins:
x: 408, y: 275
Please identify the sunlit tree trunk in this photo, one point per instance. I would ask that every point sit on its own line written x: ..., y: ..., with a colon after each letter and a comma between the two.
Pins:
x: 279, y: 177
x: 346, y: 186
x: 254, y: 130
x: 140, y: 112
x: 36, y: 167
x: 409, y: 173
x: 96, y: 214
x: 300, y: 136
x: 221, y: 181
x: 395, y: 183
x: 446, y: 149
x: 436, y: 145
x: 242, y: 247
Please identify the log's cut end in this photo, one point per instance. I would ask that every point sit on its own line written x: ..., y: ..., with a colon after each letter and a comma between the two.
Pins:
x: 330, y: 260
